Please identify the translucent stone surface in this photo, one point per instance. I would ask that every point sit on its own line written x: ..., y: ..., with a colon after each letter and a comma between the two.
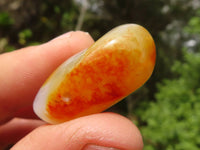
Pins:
x: 93, y: 80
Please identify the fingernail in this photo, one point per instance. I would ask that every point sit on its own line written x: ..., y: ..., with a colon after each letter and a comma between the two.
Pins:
x: 86, y: 33
x: 97, y: 147
x: 65, y: 35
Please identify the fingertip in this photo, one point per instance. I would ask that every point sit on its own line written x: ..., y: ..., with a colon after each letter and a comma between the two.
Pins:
x: 64, y: 46
x: 109, y: 130
x: 105, y: 130
x: 24, y: 71
x: 73, y: 41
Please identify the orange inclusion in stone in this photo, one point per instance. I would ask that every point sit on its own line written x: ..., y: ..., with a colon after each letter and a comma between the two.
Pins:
x: 90, y: 84
x: 104, y: 76
x: 99, y: 81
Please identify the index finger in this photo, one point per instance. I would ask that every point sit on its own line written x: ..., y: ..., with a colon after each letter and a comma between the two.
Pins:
x: 24, y: 71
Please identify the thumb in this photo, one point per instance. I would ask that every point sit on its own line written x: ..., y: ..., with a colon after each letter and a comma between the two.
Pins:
x: 105, y: 131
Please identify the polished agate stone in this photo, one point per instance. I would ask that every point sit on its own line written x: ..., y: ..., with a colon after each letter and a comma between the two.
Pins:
x: 96, y: 78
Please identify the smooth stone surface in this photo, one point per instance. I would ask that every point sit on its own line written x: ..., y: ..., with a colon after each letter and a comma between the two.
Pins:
x: 93, y: 80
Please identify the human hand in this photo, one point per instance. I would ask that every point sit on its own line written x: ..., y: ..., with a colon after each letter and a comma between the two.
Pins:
x: 22, y: 74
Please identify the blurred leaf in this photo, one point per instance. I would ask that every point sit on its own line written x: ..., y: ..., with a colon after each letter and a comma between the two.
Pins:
x: 173, y: 120
x: 24, y: 35
x: 5, y: 19
x: 57, y: 9
x: 4, y: 46
x: 193, y: 25
x: 9, y: 48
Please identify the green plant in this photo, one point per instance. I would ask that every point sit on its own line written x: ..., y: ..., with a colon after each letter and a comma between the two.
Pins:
x: 172, y: 122
x: 5, y: 19
x: 24, y: 35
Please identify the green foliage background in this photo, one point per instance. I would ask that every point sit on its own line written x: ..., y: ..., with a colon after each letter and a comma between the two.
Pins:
x: 167, y: 107
x: 172, y: 121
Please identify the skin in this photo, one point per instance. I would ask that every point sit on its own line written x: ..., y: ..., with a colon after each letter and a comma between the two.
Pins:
x: 22, y: 74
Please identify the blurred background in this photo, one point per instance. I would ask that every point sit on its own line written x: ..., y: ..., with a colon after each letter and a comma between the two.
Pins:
x: 167, y: 108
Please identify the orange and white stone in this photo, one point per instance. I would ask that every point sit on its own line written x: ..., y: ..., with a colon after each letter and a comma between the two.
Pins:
x: 93, y: 80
